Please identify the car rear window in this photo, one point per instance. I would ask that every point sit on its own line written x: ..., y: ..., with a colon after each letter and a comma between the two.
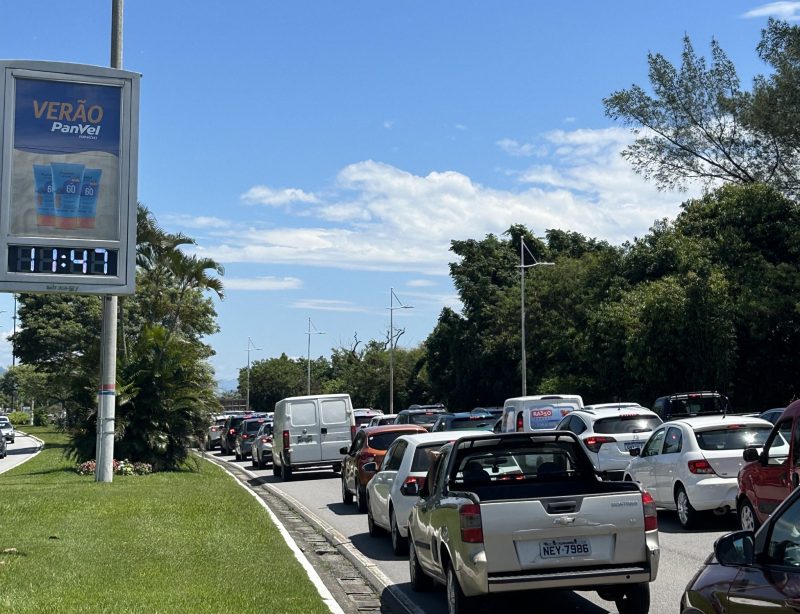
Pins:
x: 387, y: 420
x: 473, y: 423
x: 382, y: 441
x: 626, y: 424
x: 252, y: 427
x: 426, y: 418
x: 733, y: 437
x: 694, y: 406
x: 503, y: 464
x: 423, y: 456
x: 363, y: 420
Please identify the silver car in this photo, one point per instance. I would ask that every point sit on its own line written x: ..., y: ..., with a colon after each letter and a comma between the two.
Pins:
x: 261, y: 448
x: 7, y: 429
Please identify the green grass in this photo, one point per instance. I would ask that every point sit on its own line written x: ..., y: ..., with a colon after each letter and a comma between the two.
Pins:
x: 191, y: 541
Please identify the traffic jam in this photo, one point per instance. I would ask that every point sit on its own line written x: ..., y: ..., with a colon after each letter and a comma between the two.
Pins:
x: 546, y: 493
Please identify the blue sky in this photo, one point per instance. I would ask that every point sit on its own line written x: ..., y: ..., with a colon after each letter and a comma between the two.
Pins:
x: 325, y: 152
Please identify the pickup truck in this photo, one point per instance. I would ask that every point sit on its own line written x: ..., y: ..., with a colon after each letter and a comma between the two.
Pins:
x: 525, y: 511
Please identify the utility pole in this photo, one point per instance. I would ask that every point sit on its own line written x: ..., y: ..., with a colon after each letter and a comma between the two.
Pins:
x: 522, y: 266
x: 250, y: 347
x: 309, y: 333
x: 104, y: 471
x: 392, y: 297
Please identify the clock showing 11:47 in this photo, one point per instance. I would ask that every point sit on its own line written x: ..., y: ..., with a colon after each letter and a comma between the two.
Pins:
x: 99, y: 262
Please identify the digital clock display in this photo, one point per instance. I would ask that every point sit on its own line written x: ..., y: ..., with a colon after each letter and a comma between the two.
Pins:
x: 97, y: 262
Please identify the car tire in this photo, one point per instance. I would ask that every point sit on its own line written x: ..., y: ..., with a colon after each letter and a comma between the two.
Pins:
x: 236, y: 455
x: 635, y: 599
x: 253, y: 462
x: 337, y: 468
x: 286, y: 473
x: 208, y: 444
x: 262, y: 464
x: 399, y: 543
x: 374, y: 529
x: 687, y: 515
x: 276, y: 470
x: 747, y: 516
x: 420, y: 581
x: 347, y: 496
x: 361, y: 499
x: 457, y: 601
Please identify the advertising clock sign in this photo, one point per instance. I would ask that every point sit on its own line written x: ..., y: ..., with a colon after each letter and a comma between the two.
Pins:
x: 68, y: 171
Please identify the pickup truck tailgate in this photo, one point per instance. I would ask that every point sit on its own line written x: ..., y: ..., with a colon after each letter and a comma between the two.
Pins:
x: 573, y: 531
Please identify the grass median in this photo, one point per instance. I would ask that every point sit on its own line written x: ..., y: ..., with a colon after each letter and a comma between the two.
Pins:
x: 191, y: 541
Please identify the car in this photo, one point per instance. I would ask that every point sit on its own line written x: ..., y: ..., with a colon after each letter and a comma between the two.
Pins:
x: 464, y: 421
x: 772, y: 415
x: 3, y: 447
x: 382, y: 419
x: 245, y: 434
x: 364, y: 415
x: 608, y: 431
x: 228, y: 434
x: 681, y: 404
x: 7, y: 429
x: 261, y: 447
x: 406, y: 462
x: 424, y: 415
x: 751, y: 571
x: 215, y: 431
x: 369, y: 446
x: 538, y: 412
x: 497, y: 412
x: 691, y: 464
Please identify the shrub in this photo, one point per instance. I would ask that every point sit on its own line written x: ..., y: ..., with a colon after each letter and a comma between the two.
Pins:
x: 19, y: 418
x: 120, y: 467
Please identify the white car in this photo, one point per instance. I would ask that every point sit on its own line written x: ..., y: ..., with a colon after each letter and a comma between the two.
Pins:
x: 406, y: 462
x: 382, y: 419
x: 7, y: 429
x: 608, y: 432
x: 690, y: 464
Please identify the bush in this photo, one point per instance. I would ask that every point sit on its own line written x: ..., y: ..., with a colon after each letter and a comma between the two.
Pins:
x: 121, y: 467
x: 40, y: 417
x: 19, y: 418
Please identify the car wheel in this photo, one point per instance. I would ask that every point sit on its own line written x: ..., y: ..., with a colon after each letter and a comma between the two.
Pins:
x: 237, y: 455
x: 208, y: 444
x: 457, y: 601
x: 347, y: 496
x: 747, y: 516
x: 374, y: 529
x: 286, y: 473
x: 420, y: 581
x: 687, y: 515
x: 399, y: 543
x: 635, y: 599
x: 337, y: 468
x: 262, y: 464
x: 253, y: 462
x: 276, y: 470
x: 361, y: 499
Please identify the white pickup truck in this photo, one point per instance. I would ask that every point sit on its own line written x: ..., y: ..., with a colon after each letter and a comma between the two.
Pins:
x: 525, y: 511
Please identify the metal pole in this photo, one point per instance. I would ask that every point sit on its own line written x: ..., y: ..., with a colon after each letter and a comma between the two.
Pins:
x: 522, y: 312
x: 250, y: 346
x: 391, y: 350
x: 104, y: 471
x: 14, y: 337
x: 308, y: 358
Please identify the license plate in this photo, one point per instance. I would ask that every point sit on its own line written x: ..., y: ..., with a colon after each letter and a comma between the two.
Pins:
x: 633, y: 444
x: 556, y: 548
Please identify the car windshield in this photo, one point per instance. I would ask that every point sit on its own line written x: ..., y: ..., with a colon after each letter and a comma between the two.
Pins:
x: 474, y: 423
x: 382, y: 441
x: 426, y: 418
x: 733, y: 437
x: 626, y: 424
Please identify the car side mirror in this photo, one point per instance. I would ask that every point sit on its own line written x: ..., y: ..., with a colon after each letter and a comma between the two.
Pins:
x: 751, y: 454
x: 371, y: 467
x: 635, y: 451
x: 735, y: 549
x: 344, y: 450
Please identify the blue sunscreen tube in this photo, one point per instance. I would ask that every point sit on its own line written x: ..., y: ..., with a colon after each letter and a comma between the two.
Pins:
x: 87, y: 205
x: 67, y: 179
x: 45, y: 200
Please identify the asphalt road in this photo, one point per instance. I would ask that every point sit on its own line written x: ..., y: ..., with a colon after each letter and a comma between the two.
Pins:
x: 18, y: 452
x: 682, y: 552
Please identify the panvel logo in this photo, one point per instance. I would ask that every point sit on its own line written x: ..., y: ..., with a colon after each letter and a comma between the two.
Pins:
x: 70, y: 119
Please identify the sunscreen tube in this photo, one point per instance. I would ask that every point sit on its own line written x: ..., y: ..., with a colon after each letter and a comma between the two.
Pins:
x: 90, y: 189
x: 45, y: 200
x: 67, y: 179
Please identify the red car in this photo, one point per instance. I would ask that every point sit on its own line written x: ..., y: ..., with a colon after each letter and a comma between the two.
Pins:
x: 772, y: 474
x: 369, y: 446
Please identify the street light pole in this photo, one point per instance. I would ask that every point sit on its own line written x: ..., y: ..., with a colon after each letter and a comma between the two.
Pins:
x: 522, y: 266
x: 250, y: 347
x: 392, y: 297
x: 309, y: 333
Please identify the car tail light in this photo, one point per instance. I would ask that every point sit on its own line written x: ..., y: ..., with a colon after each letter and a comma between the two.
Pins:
x: 232, y: 432
x: 245, y: 435
x: 520, y: 426
x: 266, y: 439
x: 595, y: 442
x: 650, y: 514
x: 471, y: 527
x: 701, y: 466
x: 214, y: 429
x: 286, y: 440
x: 352, y: 432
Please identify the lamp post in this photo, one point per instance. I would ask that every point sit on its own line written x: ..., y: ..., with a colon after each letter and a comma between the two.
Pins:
x: 392, y: 297
x: 522, y: 266
x: 309, y: 333
x: 250, y: 347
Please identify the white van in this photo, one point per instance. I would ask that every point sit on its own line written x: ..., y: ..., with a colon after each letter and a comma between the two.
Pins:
x: 309, y: 431
x: 537, y: 413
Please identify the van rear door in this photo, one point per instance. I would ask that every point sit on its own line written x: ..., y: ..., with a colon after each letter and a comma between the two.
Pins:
x: 304, y: 431
x: 334, y: 427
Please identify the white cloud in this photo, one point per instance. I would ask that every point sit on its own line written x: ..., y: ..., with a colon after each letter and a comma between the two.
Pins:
x: 327, y: 305
x: 515, y: 148
x: 782, y: 10
x: 262, y: 195
x: 461, y: 127
x: 262, y: 283
x: 420, y: 283
x: 388, y: 123
x: 197, y: 222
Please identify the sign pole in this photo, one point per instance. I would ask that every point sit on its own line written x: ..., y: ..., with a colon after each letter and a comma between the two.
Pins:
x: 104, y: 471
